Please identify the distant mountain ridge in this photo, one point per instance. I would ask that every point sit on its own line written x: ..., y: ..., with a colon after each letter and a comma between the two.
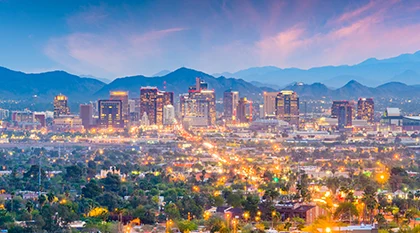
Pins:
x: 178, y: 81
x: 371, y: 72
x: 355, y: 90
x: 21, y: 86
x: 394, y: 77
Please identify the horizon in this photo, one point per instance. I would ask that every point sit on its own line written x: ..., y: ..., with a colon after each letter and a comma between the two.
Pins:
x: 105, y: 39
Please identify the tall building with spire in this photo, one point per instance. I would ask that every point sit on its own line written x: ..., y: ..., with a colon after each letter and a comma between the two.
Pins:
x: 61, y: 106
x: 199, y: 106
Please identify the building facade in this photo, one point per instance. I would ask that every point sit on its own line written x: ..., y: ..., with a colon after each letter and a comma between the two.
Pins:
x: 61, y: 105
x: 110, y: 114
x: 152, y: 103
x: 123, y: 96
x: 198, y: 107
x: 230, y: 104
x: 366, y: 109
x: 86, y: 115
x: 269, y: 104
x: 345, y: 115
x: 287, y: 107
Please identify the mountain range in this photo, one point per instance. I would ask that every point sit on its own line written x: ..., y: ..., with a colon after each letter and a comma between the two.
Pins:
x: 397, y: 77
x: 372, y: 72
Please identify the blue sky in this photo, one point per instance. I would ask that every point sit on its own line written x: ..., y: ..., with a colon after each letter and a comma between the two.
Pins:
x: 112, y: 39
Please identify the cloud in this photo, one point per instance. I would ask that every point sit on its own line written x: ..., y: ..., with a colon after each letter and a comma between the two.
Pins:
x: 347, y: 44
x: 107, y: 54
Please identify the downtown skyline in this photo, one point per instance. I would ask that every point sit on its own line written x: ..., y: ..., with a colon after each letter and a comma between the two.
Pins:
x: 108, y: 39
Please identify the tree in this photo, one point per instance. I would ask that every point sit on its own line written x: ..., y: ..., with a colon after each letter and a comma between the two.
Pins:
x: 369, y: 199
x: 29, y: 207
x: 73, y: 173
x: 109, y: 200
x: 112, y: 183
x: 42, y: 199
x: 346, y: 210
x: 172, y: 211
x: 91, y: 190
x: 250, y: 204
x: 50, y: 197
x: 186, y: 225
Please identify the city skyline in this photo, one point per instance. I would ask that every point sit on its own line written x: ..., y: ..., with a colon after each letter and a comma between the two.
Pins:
x: 110, y: 40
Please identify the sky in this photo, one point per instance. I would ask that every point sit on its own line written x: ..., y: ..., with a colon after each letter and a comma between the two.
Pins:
x: 110, y: 39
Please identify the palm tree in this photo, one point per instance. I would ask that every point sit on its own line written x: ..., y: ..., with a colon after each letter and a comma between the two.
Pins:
x: 29, y: 207
x: 370, y: 201
x: 50, y: 197
x: 346, y: 210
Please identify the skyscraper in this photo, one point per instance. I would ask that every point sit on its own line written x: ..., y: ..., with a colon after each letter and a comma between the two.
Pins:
x: 366, y: 109
x: 287, y: 107
x: 86, y: 114
x: 168, y: 115
x: 345, y: 115
x: 148, y: 97
x: 60, y: 105
x: 244, y: 110
x: 123, y: 96
x: 336, y: 105
x: 269, y: 103
x: 152, y: 102
x: 200, y: 102
x: 110, y: 114
x: 230, y: 103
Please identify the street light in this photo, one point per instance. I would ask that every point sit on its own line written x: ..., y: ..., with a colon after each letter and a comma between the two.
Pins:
x: 328, y: 230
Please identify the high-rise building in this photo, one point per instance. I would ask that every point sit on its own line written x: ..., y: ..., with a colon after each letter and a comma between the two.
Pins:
x: 60, y: 105
x: 152, y: 102
x: 287, y: 107
x: 200, y: 102
x: 110, y: 114
x: 336, y: 105
x: 86, y: 114
x: 230, y: 104
x: 269, y: 103
x: 123, y: 96
x: 168, y: 114
x: 345, y: 115
x: 365, y: 109
x: 244, y: 110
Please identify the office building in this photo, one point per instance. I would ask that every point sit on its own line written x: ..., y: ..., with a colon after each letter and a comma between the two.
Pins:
x: 345, y: 115
x: 269, y: 108
x: 110, y: 114
x: 336, y: 105
x: 86, y: 114
x: 61, y: 105
x: 40, y: 117
x: 199, y: 106
x: 365, y: 109
x: 123, y: 96
x: 152, y: 102
x: 230, y: 104
x: 244, y: 110
x: 287, y: 107
x: 168, y: 115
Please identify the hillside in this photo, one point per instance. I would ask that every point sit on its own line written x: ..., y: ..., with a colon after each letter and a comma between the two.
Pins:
x: 18, y: 85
